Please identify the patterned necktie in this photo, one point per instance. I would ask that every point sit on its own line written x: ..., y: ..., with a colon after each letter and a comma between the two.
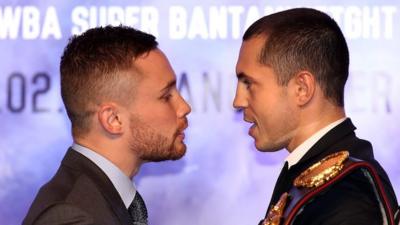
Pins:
x: 138, y: 210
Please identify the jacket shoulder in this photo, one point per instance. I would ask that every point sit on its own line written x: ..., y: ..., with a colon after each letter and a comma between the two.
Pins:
x: 64, y: 214
x: 67, y: 187
x: 342, y: 190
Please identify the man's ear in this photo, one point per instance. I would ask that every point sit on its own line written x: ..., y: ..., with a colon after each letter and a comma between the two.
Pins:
x: 305, y: 84
x: 110, y: 118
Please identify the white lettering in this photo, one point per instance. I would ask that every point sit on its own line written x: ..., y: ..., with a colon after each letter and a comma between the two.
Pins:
x: 51, y: 25
x: 352, y: 22
x: 388, y: 12
x: 218, y: 22
x: 252, y: 15
x: 79, y: 18
x: 198, y: 25
x: 9, y: 22
x: 115, y: 15
x: 150, y: 18
x: 371, y: 22
x: 131, y: 16
x: 30, y: 26
x: 236, y: 11
x: 177, y: 22
x: 142, y: 18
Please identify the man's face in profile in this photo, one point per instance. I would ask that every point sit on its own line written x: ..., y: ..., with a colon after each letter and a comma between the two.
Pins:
x: 158, y: 111
x: 264, y: 102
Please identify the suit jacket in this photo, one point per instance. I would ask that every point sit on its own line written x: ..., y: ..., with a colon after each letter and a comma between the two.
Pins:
x: 79, y: 193
x: 351, y: 201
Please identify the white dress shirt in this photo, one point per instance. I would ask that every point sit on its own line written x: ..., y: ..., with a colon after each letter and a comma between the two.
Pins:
x: 294, y: 157
x: 122, y: 183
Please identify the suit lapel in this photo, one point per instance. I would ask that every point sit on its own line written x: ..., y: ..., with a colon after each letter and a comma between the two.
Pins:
x: 77, y: 161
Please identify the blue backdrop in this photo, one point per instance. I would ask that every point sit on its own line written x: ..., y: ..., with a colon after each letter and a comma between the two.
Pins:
x: 222, y: 179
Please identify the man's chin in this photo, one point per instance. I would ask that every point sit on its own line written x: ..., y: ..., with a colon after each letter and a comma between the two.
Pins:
x: 266, y: 147
x: 172, y: 154
x: 178, y: 152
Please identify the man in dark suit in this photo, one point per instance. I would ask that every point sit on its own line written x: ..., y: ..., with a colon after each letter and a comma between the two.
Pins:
x: 120, y: 94
x: 292, y: 70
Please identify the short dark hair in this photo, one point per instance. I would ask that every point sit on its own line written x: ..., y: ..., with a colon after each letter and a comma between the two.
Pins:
x: 94, y: 68
x: 304, y: 39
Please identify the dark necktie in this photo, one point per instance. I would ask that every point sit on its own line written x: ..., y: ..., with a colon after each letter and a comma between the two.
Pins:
x: 138, y: 210
x: 280, y: 185
x: 276, y: 194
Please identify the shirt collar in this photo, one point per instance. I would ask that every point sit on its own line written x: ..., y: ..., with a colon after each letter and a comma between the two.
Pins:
x: 122, y: 183
x: 294, y: 157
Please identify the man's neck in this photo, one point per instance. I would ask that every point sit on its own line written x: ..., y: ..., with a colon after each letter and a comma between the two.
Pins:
x: 312, y: 123
x: 125, y: 160
x: 298, y: 153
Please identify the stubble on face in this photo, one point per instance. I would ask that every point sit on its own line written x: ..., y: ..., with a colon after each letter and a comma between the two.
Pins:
x: 150, y: 145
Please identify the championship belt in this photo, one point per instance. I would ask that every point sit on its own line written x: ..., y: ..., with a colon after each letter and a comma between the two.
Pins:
x: 320, y: 177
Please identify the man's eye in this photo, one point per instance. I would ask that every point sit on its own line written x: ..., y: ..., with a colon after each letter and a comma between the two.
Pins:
x: 167, y: 97
x: 247, y: 83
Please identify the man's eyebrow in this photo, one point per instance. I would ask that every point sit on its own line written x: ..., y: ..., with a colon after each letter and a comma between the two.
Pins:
x: 242, y: 75
x: 170, y: 84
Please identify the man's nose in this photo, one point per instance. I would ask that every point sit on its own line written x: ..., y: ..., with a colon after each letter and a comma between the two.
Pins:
x: 239, y: 102
x: 184, y: 108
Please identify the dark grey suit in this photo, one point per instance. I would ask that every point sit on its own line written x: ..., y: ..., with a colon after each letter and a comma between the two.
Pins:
x: 79, y: 193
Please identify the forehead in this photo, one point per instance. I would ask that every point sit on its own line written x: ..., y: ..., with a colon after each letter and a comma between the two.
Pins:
x: 249, y: 64
x: 154, y: 67
x: 250, y: 51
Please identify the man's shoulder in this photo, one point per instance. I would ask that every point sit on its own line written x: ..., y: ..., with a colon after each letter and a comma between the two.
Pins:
x: 67, y: 187
x: 355, y: 193
x: 350, y: 201
x: 63, y: 213
x: 65, y: 182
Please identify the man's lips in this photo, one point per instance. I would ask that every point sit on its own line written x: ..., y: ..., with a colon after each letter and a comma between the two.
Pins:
x: 251, y: 129
x: 182, y: 128
x: 247, y: 120
x: 185, y: 125
x: 253, y: 126
x: 181, y: 135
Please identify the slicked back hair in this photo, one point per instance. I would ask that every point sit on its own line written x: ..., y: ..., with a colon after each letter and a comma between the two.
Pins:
x: 304, y: 39
x: 95, y: 68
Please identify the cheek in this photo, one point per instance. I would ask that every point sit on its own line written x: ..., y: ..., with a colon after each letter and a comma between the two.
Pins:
x: 262, y: 106
x: 269, y: 113
x: 162, y: 120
